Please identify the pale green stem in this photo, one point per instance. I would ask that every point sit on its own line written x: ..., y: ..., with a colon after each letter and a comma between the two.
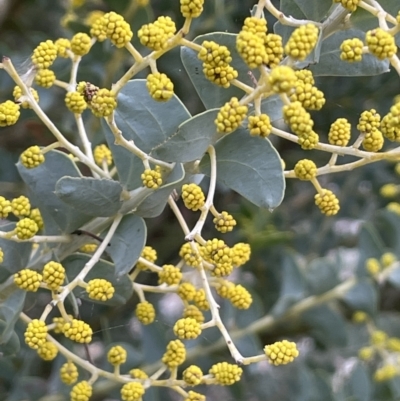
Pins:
x: 37, y: 238
x: 210, y: 197
x: 134, y: 53
x: 178, y: 215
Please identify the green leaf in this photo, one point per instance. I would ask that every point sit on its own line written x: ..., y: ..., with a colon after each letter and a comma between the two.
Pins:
x: 253, y: 170
x: 191, y: 140
x: 212, y: 95
x: 314, y: 10
x: 394, y: 277
x: 16, y: 254
x: 272, y: 106
x: 94, y: 197
x: 10, y: 346
x: 359, y: 384
x: 155, y: 203
x: 362, y: 296
x: 123, y: 286
x: 330, y: 63
x: 145, y: 122
x: 12, y: 301
x: 293, y: 286
x: 58, y: 216
x: 127, y: 243
x: 321, y: 276
x: 326, y: 325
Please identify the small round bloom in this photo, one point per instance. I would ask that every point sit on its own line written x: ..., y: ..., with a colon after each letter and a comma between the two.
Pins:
x: 251, y: 48
x: 117, y: 355
x: 151, y: 179
x: 170, y: 275
x: 224, y: 222
x: 1, y: 256
x: 78, y: 331
x: 308, y: 95
x: 160, y: 87
x: 80, y: 44
x: 148, y: 253
x: 327, y: 202
x: 368, y: 121
x: 350, y: 5
x: 390, y: 131
x: 102, y: 154
x: 35, y: 334
x: 299, y: 120
x: 9, y: 113
x: 75, y: 102
x: 45, y: 78
x: 191, y: 8
x: 53, y: 275
x: 389, y: 190
x: 155, y: 35
x: 302, y: 41
x: 220, y: 75
x: 63, y: 45
x: 187, y: 328
x: 380, y: 43
x: 366, y: 353
x: 386, y: 372
x: 257, y: 26
x: 98, y: 28
x: 393, y: 344
x: 192, y: 375
x: 132, y: 391
x: 230, y: 116
x: 194, y: 312
x: 59, y: 323
x: 32, y: 157
x: 372, y: 266
x: 100, y: 289
x: 69, y: 373
x: 82, y: 391
x: 351, y: 50
x: 305, y: 169
x: 241, y: 253
x: 359, y: 317
x: 21, y: 207
x: 138, y: 374
x: 145, y: 312
x: 36, y: 216
x: 26, y: 228
x: 305, y: 76
x: 88, y: 248
x: 239, y: 297
x: 187, y: 291
x: 22, y: 100
x: 226, y: 373
x: 274, y: 49
x: 117, y: 29
x: 200, y: 299
x: 48, y: 351
x: 214, y: 55
x: 378, y: 337
x: 5, y: 207
x: 281, y: 352
x: 373, y: 141
x: 193, y: 196
x: 28, y: 280
x: 193, y: 396
x: 259, y: 125
x: 175, y: 354
x: 282, y: 79
x: 103, y: 103
x: 216, y: 252
x: 339, y: 132
x: 388, y: 258
x: 190, y: 257
x: 44, y: 54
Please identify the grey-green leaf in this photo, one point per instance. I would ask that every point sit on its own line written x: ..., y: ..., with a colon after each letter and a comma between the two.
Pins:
x: 145, y: 122
x: 127, y: 243
x: 313, y: 10
x: 12, y: 345
x: 211, y: 95
x: 94, y: 197
x: 191, y: 140
x: 250, y: 166
x: 330, y: 63
x: 58, y: 216
x: 362, y: 296
x: 123, y: 286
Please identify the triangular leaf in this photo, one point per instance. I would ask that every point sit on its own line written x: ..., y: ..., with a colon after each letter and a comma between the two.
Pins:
x: 100, y: 198
x: 191, y: 140
x: 250, y: 166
